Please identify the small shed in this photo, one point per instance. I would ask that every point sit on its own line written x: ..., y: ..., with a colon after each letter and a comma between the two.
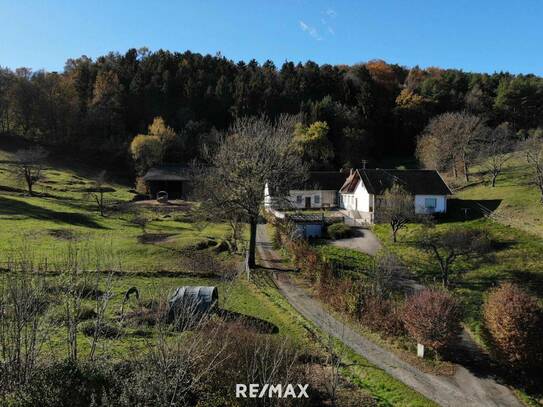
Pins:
x: 171, y: 178
x: 196, y: 300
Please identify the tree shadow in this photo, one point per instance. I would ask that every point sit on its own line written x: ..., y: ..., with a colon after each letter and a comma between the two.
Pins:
x: 468, y: 209
x: 249, y: 322
x: 13, y: 207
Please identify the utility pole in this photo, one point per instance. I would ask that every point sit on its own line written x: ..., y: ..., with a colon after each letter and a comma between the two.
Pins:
x: 364, y: 162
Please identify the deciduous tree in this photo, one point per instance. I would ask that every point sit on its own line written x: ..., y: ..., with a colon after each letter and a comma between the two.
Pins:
x: 514, y: 321
x: 29, y: 165
x: 450, y: 245
x: 432, y: 317
x: 397, y: 208
x: 255, y: 151
x: 496, y: 149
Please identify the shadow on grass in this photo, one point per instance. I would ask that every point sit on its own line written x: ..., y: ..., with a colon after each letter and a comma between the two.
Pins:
x: 13, y: 207
x: 459, y: 210
x: 249, y: 322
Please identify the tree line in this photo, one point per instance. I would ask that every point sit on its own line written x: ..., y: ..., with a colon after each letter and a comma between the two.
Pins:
x: 365, y: 110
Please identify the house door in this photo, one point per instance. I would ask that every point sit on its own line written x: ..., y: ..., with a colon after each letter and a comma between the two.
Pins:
x: 307, y: 202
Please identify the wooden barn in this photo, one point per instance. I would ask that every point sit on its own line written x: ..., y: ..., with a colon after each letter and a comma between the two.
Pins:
x: 173, y: 179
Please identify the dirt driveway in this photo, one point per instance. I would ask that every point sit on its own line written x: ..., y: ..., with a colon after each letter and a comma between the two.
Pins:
x: 464, y: 389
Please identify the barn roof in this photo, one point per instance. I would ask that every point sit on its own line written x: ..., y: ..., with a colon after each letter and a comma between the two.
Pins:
x: 417, y: 182
x: 168, y: 173
x: 325, y: 180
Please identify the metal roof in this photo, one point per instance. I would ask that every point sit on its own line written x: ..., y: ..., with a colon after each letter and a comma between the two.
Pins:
x: 168, y: 173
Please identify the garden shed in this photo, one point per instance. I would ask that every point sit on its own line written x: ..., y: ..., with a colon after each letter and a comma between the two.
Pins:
x: 173, y: 179
x: 193, y: 299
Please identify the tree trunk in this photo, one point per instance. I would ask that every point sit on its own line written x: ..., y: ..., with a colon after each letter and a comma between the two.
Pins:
x: 394, y: 233
x: 466, y: 170
x: 252, y: 243
x: 445, y: 278
x: 494, y: 176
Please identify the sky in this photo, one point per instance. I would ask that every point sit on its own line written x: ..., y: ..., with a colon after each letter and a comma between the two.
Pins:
x: 474, y: 35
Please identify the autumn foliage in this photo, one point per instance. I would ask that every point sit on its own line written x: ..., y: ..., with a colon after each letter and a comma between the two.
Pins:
x: 432, y: 317
x: 514, y: 322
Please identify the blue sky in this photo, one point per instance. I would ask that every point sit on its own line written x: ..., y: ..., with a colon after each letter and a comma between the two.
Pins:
x: 475, y: 35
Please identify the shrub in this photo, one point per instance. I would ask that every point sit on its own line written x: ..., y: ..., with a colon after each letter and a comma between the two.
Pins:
x: 432, y: 317
x: 339, y: 231
x: 381, y: 315
x: 514, y: 322
x: 105, y: 330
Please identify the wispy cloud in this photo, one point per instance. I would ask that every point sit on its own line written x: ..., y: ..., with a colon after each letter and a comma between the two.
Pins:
x: 331, y: 13
x: 312, y: 31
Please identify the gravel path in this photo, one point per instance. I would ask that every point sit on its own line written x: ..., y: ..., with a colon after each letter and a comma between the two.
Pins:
x: 464, y: 389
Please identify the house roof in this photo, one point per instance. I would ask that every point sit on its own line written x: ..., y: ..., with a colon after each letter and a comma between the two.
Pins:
x: 168, y: 173
x: 417, y: 182
x: 325, y: 180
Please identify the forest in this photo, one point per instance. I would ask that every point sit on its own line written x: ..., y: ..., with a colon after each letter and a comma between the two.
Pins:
x: 366, y: 110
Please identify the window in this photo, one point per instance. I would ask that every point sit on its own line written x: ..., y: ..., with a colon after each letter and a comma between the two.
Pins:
x: 430, y: 204
x: 317, y: 199
x: 298, y: 199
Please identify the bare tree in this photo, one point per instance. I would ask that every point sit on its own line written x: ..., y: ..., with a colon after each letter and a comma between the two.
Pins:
x: 397, y: 208
x: 97, y: 192
x: 533, y: 148
x: 448, y: 246
x: 450, y: 139
x: 256, y: 151
x: 29, y: 165
x: 496, y: 150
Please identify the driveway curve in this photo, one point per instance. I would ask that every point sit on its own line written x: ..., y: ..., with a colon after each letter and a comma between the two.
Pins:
x: 463, y: 389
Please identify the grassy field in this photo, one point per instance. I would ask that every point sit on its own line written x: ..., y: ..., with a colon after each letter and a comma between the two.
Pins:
x: 61, y: 218
x: 515, y: 199
x: 63, y: 213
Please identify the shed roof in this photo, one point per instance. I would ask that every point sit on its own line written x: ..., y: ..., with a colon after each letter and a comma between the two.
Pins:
x: 417, y: 182
x: 168, y: 173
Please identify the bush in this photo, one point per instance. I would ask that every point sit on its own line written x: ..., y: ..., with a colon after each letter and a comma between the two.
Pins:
x: 514, y: 322
x: 339, y: 231
x: 105, y: 330
x: 382, y: 315
x: 432, y: 317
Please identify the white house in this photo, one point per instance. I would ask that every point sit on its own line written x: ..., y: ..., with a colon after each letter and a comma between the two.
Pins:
x: 320, y: 191
x: 362, y: 189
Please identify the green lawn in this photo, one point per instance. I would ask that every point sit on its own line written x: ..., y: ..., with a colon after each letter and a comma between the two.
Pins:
x: 516, y: 199
x: 62, y: 213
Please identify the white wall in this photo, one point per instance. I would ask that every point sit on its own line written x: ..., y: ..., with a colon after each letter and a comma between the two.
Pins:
x: 441, y: 203
x: 357, y: 201
x: 326, y: 199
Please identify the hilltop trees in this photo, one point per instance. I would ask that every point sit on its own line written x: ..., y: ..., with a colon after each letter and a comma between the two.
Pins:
x: 255, y: 151
x: 312, y: 143
x: 99, y: 105
x: 450, y: 140
x: 149, y: 149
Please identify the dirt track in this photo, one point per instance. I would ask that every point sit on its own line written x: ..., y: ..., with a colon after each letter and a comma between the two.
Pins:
x: 464, y: 389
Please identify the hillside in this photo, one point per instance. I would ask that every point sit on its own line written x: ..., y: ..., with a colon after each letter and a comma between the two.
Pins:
x: 517, y: 199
